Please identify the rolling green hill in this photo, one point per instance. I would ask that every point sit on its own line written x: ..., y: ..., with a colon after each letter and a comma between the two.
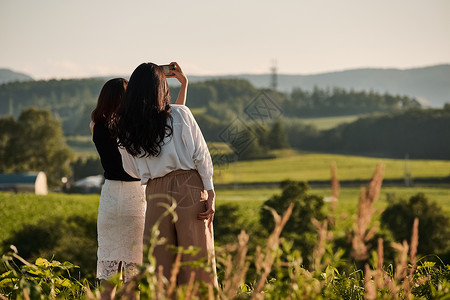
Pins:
x: 313, y: 166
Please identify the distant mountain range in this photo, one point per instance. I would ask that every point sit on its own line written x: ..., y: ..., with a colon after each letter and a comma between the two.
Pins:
x: 430, y: 85
x: 7, y: 75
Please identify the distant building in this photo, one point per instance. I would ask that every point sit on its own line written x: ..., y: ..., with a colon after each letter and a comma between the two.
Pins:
x: 89, y: 185
x: 24, y: 183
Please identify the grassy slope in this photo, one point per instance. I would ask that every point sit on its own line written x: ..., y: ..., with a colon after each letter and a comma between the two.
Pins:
x: 313, y: 166
x: 347, y: 200
x: 251, y: 200
x: 19, y: 209
x: 329, y: 122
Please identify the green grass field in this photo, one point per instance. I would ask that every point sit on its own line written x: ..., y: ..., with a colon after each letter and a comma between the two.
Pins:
x: 82, y: 145
x: 312, y: 166
x: 329, y: 122
x: 17, y: 210
x: 252, y: 199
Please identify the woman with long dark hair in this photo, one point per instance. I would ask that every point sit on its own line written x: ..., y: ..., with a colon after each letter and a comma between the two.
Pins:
x: 163, y: 145
x: 121, y: 212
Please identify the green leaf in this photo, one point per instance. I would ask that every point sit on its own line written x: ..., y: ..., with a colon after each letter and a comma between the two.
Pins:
x: 8, y: 274
x: 68, y: 265
x: 42, y: 262
x: 65, y: 282
x: 36, y: 272
x: 8, y: 282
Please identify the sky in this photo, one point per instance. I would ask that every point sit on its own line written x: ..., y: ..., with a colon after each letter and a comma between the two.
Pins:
x: 84, y: 38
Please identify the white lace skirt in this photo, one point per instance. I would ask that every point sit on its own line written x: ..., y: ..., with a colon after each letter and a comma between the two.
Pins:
x: 120, y: 227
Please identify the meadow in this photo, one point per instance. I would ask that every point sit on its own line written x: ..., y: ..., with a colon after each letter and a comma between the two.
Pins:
x: 17, y: 210
x: 294, y: 165
x: 324, y: 123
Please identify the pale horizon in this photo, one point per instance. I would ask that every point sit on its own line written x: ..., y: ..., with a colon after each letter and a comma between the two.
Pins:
x: 57, y: 40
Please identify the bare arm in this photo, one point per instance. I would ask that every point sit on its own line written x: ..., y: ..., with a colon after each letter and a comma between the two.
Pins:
x: 181, y: 99
x: 181, y: 77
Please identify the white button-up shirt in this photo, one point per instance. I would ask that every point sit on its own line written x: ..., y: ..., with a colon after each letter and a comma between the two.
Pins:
x: 185, y: 149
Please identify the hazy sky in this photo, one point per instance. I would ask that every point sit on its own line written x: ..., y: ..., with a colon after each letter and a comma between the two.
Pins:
x: 63, y: 38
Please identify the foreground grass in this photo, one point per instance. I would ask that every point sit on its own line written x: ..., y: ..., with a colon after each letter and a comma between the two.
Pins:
x: 278, y: 272
x: 312, y: 166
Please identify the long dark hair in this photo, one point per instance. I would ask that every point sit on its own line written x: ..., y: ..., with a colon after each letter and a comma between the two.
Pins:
x: 142, y: 122
x: 109, y: 101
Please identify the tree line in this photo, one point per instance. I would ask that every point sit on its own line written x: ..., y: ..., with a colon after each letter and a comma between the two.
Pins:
x: 34, y: 142
x: 418, y: 133
x: 72, y: 100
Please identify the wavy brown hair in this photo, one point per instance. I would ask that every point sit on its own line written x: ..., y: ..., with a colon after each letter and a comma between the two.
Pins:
x: 109, y: 101
x: 145, y: 118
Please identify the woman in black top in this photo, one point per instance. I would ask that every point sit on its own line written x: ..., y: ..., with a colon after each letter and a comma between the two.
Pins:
x: 122, y: 203
x: 122, y: 206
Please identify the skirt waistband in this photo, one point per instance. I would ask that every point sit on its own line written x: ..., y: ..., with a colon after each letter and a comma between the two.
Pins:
x: 174, y: 173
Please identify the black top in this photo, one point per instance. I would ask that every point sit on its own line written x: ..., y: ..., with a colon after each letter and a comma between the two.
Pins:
x: 109, y: 155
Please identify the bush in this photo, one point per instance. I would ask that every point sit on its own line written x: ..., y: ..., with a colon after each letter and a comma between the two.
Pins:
x: 399, y: 216
x: 299, y: 229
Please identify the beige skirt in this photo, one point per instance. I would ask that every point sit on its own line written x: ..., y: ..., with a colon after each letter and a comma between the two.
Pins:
x: 185, y: 187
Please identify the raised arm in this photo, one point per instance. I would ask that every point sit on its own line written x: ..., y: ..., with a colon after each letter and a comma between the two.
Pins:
x: 181, y: 77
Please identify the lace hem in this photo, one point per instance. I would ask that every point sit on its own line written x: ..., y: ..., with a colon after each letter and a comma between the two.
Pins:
x: 108, y: 268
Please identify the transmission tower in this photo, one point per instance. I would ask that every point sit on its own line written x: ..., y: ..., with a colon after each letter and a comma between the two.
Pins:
x: 273, y: 75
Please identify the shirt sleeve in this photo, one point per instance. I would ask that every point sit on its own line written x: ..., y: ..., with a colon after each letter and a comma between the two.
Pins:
x: 200, y: 153
x: 129, y: 163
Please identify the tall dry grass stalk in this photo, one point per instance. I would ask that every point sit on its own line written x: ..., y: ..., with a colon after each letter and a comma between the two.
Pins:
x: 272, y: 246
x: 235, y: 268
x: 173, y: 275
x: 370, y: 292
x: 379, y: 275
x: 362, y: 232
x: 335, y: 186
x: 402, y: 259
x: 414, y: 245
x: 375, y: 279
x: 402, y: 280
x: 192, y: 287
x: 323, y: 237
x: 403, y: 273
